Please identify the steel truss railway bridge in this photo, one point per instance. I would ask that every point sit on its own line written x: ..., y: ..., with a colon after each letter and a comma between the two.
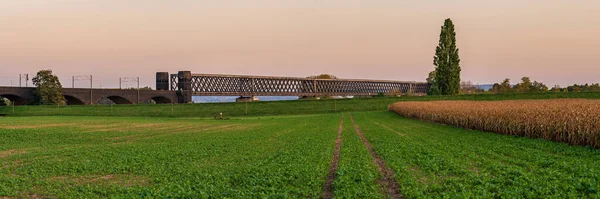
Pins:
x: 240, y: 85
x: 180, y: 87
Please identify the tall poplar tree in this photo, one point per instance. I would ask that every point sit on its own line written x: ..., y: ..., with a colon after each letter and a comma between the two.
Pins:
x: 447, y: 62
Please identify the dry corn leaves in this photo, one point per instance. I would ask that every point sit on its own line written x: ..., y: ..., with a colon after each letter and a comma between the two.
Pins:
x: 574, y: 121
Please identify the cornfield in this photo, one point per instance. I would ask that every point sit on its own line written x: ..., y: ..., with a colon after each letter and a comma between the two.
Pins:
x: 573, y: 121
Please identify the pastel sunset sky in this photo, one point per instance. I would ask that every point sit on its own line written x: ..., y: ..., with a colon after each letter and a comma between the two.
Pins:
x: 553, y: 41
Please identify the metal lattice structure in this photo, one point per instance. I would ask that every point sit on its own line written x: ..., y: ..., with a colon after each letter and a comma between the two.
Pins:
x: 239, y: 85
x: 174, y: 81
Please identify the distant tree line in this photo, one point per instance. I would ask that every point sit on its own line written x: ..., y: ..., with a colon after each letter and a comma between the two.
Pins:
x: 577, y: 88
x: 525, y: 86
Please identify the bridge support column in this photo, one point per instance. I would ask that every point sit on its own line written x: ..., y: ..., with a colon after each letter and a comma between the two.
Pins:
x: 162, y: 81
x: 185, y: 86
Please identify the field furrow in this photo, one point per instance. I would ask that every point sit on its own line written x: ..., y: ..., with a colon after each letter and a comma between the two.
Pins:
x: 387, y: 181
x: 328, y: 189
x: 357, y: 175
x: 434, y: 160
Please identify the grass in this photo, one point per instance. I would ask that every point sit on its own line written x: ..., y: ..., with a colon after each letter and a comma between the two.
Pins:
x: 296, y: 107
x: 280, y: 157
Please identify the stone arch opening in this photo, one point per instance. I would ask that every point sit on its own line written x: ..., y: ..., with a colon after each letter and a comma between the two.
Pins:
x: 70, y: 100
x: 114, y: 100
x: 161, y: 100
x: 15, y: 99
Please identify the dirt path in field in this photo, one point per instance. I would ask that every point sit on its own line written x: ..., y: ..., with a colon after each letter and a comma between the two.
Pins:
x: 388, y: 181
x: 328, y: 189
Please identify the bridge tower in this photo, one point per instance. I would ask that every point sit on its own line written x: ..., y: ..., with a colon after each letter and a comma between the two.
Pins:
x: 162, y: 81
x: 185, y: 86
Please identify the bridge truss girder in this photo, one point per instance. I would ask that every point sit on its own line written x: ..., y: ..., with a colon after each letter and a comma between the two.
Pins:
x: 237, y: 85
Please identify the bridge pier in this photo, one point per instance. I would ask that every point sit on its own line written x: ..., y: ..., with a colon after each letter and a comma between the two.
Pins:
x: 184, y: 91
x: 162, y: 81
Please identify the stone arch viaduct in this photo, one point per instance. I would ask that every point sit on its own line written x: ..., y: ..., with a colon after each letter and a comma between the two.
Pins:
x: 81, y: 96
x: 180, y: 87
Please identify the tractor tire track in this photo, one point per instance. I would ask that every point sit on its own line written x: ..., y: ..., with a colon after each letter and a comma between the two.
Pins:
x: 328, y: 188
x: 387, y: 181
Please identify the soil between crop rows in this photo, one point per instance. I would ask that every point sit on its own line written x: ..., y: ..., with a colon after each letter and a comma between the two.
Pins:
x: 328, y: 189
x: 387, y: 181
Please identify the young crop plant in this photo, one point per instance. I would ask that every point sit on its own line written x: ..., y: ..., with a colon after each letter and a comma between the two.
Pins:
x: 120, y: 157
x: 573, y: 121
x: 357, y: 174
x: 281, y: 157
x: 438, y: 161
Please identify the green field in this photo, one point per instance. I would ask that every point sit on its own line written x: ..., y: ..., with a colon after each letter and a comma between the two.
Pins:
x: 280, y: 157
x: 295, y: 107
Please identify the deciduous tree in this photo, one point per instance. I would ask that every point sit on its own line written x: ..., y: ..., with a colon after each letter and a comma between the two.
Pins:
x: 503, y: 87
x: 524, y: 86
x: 323, y: 76
x: 48, y: 88
x: 527, y: 86
x: 538, y: 87
x: 433, y: 89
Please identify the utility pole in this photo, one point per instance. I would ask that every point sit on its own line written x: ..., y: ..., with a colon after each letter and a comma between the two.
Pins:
x: 334, y: 104
x: 73, y: 82
x: 91, y: 85
x: 23, y: 76
x: 88, y: 77
x: 253, y: 86
x: 315, y: 87
x: 127, y: 79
